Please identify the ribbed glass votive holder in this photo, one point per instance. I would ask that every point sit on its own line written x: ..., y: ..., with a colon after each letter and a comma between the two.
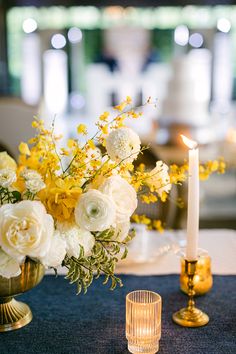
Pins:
x: 143, y: 321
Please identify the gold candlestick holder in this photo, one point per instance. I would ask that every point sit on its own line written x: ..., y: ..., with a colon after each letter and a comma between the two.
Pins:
x: 190, y: 316
x: 203, y: 279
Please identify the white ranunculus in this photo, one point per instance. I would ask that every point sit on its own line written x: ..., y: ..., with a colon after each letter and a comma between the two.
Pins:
x: 7, y: 177
x: 9, y: 267
x: 75, y: 237
x: 25, y: 229
x: 159, y: 178
x: 95, y: 211
x: 123, y: 144
x: 123, y: 195
x: 122, y: 231
x: 56, y: 252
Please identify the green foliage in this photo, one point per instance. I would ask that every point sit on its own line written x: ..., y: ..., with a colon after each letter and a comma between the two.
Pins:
x: 7, y: 196
x: 105, y: 254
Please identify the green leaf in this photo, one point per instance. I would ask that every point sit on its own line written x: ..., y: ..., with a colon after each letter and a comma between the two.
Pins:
x: 16, y: 195
x: 124, y: 255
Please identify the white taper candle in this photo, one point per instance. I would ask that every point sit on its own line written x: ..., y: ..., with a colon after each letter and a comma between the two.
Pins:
x: 193, y: 201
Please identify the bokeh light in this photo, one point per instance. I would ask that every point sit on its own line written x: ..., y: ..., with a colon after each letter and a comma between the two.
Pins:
x: 75, y: 35
x: 58, y: 41
x: 181, y: 35
x: 29, y: 25
x: 196, y: 40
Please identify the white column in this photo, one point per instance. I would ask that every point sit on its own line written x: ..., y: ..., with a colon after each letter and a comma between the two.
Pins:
x: 55, y: 81
x: 31, y: 69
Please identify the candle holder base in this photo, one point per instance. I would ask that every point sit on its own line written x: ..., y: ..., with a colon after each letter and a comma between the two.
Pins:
x: 190, y: 317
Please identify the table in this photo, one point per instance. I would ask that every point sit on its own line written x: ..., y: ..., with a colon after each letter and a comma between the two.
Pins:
x: 95, y: 323
x: 220, y: 244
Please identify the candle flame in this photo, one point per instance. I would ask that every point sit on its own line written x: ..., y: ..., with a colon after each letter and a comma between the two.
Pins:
x: 189, y: 143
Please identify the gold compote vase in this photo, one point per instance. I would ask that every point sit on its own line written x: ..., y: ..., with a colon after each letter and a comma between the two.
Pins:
x: 15, y: 314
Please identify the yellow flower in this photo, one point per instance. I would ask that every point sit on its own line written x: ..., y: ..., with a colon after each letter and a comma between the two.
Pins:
x: 149, y: 198
x: 7, y: 161
x: 222, y: 166
x: 82, y: 129
x: 164, y: 197
x: 120, y: 107
x: 71, y: 143
x: 104, y: 129
x: 141, y: 219
x: 60, y: 198
x: 91, y: 144
x: 65, y: 152
x: 128, y: 100
x: 95, y: 163
x: 35, y: 124
x: 24, y: 149
x: 157, y: 224
x: 104, y: 117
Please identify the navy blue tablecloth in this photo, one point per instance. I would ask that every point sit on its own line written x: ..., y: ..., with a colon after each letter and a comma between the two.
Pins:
x: 94, y: 323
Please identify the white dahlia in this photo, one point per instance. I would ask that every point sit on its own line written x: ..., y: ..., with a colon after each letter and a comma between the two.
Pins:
x: 123, y: 144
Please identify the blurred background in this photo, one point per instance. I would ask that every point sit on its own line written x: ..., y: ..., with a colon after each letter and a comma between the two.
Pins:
x: 76, y: 59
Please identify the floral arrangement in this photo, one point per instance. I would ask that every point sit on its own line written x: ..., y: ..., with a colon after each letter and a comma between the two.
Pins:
x: 72, y: 206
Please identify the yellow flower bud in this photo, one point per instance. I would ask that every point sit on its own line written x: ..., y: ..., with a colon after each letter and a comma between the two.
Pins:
x: 82, y: 129
x: 24, y: 149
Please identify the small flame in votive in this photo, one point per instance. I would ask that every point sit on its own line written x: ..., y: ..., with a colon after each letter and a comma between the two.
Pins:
x: 189, y: 143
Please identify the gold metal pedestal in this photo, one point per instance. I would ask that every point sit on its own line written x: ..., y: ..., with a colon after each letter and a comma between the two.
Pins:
x: 15, y: 314
x: 190, y: 316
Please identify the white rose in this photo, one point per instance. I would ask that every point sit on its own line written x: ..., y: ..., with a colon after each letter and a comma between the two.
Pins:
x: 75, y: 237
x: 123, y: 144
x: 7, y: 177
x: 123, y: 195
x: 25, y: 229
x: 56, y: 252
x: 9, y: 267
x: 7, y: 161
x: 95, y: 211
x: 33, y: 181
x: 34, y: 185
x: 159, y: 178
x: 122, y: 231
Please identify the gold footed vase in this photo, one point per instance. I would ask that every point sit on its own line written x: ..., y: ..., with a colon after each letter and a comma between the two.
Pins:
x: 15, y: 314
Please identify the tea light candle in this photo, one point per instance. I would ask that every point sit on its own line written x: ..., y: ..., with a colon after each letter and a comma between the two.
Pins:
x: 143, y: 321
x: 193, y: 200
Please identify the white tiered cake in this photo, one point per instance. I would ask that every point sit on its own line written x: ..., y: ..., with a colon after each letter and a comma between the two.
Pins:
x: 189, y: 90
